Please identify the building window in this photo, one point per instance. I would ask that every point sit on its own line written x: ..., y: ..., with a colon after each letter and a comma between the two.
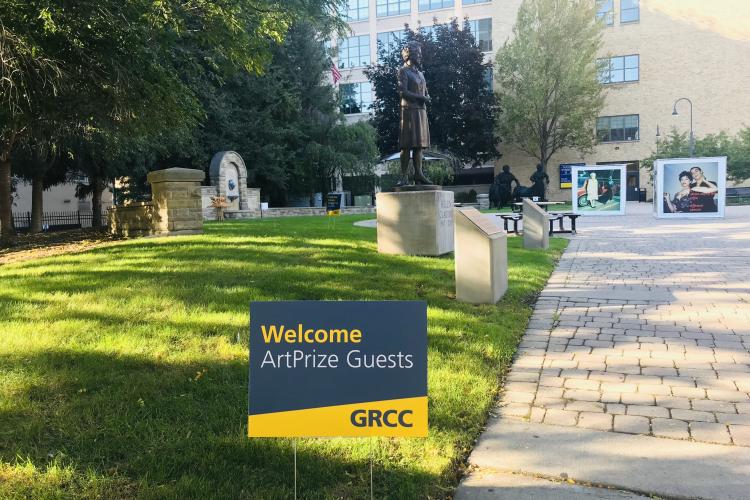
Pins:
x: 474, y: 2
x: 355, y: 97
x: 617, y: 128
x: 482, y: 31
x: 605, y: 10
x: 434, y: 4
x: 354, y: 52
x: 357, y: 10
x: 619, y: 69
x: 630, y: 11
x: 389, y: 40
x: 385, y: 8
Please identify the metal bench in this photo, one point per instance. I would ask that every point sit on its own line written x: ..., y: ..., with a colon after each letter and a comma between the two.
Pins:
x: 560, y: 218
x: 510, y: 217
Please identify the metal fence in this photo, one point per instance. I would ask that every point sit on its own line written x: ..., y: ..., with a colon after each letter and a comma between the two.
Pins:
x: 54, y: 221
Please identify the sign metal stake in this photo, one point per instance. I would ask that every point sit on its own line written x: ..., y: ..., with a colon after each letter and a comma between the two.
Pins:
x: 371, y: 460
x: 295, y: 467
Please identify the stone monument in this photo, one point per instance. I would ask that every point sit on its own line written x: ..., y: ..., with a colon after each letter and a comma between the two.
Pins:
x: 481, y: 257
x: 228, y: 176
x: 535, y: 226
x: 416, y: 219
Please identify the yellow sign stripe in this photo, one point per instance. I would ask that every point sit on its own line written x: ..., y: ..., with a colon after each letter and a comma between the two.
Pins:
x: 374, y: 418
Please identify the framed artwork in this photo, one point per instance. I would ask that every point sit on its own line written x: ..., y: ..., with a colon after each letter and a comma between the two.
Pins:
x: 598, y: 189
x: 692, y: 188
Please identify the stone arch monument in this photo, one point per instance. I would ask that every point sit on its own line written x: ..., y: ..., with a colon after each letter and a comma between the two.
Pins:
x: 228, y: 176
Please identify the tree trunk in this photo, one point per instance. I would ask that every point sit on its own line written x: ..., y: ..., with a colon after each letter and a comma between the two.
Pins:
x: 7, y: 231
x: 96, y: 202
x: 37, y: 202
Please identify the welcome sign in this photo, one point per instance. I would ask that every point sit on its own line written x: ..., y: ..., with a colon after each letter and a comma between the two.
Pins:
x: 338, y: 369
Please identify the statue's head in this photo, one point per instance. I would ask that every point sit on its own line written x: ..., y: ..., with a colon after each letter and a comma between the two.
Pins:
x: 412, y: 51
x: 539, y: 167
x: 506, y: 168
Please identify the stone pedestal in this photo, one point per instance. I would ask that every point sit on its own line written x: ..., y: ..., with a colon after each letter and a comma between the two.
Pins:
x: 415, y: 222
x: 535, y: 226
x: 484, y: 201
x: 481, y: 257
x: 176, y: 197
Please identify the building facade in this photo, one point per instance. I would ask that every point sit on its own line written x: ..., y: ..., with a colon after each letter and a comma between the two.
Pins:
x: 658, y: 51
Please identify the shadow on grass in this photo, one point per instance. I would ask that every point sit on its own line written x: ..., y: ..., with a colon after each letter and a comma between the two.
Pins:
x: 104, y: 364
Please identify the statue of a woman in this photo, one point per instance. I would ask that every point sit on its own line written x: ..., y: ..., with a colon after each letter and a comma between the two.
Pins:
x: 415, y: 130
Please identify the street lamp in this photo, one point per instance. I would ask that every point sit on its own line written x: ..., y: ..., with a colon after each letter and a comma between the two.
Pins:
x: 675, y: 113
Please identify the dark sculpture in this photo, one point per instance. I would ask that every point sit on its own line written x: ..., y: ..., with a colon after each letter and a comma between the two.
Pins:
x: 540, y: 180
x: 415, y: 130
x: 501, y: 190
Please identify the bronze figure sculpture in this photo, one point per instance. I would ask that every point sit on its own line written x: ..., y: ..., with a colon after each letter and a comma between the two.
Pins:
x: 501, y: 190
x: 540, y: 180
x: 415, y: 129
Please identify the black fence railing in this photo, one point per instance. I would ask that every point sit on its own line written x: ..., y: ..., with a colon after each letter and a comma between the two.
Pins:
x: 54, y: 221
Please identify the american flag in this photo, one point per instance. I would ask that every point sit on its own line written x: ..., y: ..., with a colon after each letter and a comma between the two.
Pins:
x: 335, y: 73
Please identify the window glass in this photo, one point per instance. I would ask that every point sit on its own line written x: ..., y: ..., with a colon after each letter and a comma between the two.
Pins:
x: 482, y: 31
x: 619, y: 69
x: 357, y: 10
x: 385, y: 8
x: 474, y: 2
x: 617, y: 128
x: 630, y: 11
x: 605, y: 10
x: 434, y: 4
x: 389, y: 40
x: 354, y: 52
x: 355, y: 97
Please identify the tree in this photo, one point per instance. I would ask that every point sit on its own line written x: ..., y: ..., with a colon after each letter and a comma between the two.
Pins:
x: 736, y: 148
x: 547, y: 78
x: 285, y: 122
x: 463, y: 106
x: 118, y: 68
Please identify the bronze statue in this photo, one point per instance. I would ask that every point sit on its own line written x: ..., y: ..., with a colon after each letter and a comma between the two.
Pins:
x: 540, y: 180
x: 415, y: 130
x: 501, y: 190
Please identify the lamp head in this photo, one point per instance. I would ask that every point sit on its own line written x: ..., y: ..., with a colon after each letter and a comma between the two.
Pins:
x: 674, y: 111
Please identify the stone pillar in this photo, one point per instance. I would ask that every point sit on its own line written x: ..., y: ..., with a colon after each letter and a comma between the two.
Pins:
x: 176, y: 196
x: 415, y: 222
x: 481, y: 258
x: 484, y: 201
x: 535, y: 226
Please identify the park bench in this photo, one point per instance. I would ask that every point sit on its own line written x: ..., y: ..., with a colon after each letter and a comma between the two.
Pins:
x: 510, y: 217
x: 560, y: 218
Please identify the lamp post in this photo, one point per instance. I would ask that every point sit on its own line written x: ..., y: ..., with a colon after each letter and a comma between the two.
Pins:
x: 675, y: 113
x: 658, y: 136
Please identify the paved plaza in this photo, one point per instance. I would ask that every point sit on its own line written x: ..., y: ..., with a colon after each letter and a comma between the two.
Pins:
x: 641, y: 340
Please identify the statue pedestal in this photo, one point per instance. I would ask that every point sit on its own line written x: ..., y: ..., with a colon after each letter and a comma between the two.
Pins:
x: 415, y: 222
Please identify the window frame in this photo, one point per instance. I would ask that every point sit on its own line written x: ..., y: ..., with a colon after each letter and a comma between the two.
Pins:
x: 386, y: 4
x: 358, y: 98
x: 609, y: 15
x: 358, y: 9
x: 477, y: 31
x: 359, y: 46
x: 624, y: 70
x: 430, y: 8
x: 637, y: 9
x: 609, y: 129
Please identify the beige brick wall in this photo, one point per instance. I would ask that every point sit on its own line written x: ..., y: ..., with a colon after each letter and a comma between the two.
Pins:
x: 698, y: 49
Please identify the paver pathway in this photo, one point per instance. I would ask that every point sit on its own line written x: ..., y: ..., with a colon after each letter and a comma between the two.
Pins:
x: 644, y: 328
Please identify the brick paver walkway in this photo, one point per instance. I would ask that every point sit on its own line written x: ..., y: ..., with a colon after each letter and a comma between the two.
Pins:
x: 644, y: 328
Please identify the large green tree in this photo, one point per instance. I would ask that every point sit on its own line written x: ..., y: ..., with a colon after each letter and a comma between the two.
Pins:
x: 462, y: 111
x: 547, y: 78
x: 107, y: 69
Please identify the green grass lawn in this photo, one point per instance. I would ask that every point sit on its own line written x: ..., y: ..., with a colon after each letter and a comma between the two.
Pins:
x: 123, y: 369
